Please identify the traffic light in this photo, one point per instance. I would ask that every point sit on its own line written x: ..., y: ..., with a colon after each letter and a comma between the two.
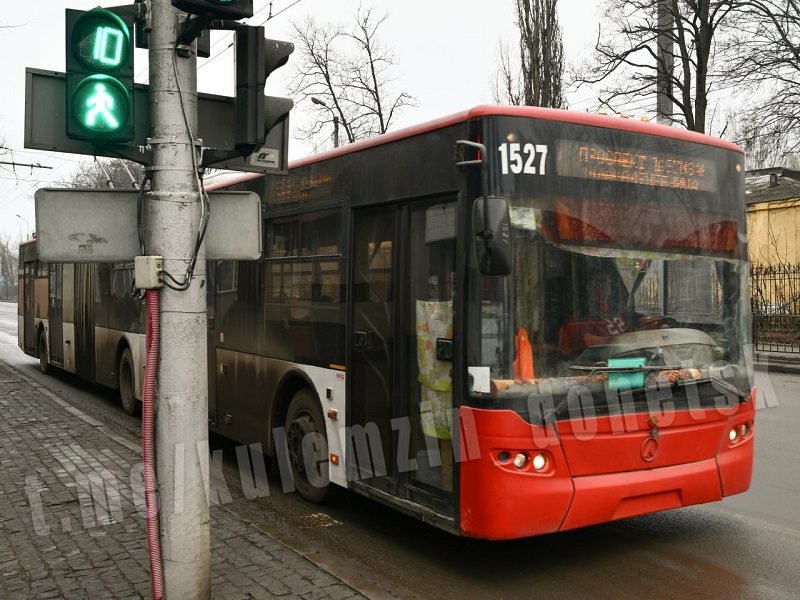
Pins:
x: 217, y: 9
x: 256, y: 58
x: 99, y: 76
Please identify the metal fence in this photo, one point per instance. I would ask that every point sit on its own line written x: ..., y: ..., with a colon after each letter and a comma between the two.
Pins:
x: 775, y: 300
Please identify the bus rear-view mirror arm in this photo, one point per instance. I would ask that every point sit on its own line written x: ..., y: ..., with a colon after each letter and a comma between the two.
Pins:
x: 490, y: 219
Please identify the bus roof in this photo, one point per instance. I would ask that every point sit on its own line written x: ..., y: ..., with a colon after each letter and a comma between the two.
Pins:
x: 534, y: 112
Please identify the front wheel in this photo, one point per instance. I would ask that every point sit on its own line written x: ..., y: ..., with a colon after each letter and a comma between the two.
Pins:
x: 308, y: 447
x: 44, y: 355
x: 127, y: 383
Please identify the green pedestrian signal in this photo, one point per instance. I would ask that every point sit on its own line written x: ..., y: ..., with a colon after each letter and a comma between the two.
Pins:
x: 101, y: 104
x: 99, y: 76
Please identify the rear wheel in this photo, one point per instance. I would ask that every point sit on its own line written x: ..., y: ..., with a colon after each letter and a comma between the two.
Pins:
x: 44, y: 355
x: 308, y: 447
x: 127, y: 386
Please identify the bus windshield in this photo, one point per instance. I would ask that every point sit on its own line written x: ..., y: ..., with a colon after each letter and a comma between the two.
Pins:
x: 629, y: 268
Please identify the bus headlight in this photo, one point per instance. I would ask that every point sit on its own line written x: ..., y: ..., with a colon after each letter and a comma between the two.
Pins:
x: 733, y: 434
x: 540, y: 462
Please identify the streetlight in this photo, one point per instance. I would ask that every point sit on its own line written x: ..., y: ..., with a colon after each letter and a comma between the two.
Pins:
x: 335, y: 120
x: 28, y: 227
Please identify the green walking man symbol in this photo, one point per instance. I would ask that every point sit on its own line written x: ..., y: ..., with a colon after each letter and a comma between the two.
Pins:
x: 101, y: 105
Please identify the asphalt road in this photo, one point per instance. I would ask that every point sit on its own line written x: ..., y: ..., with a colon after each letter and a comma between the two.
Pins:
x: 744, y: 547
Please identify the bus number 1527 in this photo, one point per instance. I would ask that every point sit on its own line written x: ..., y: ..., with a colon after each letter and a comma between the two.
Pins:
x: 511, y: 158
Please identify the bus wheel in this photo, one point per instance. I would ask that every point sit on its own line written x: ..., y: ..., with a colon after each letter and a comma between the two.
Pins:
x: 308, y: 447
x: 127, y: 389
x: 44, y: 355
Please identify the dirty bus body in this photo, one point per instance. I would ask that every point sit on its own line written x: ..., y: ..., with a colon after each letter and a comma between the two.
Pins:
x: 422, y: 330
x: 81, y: 318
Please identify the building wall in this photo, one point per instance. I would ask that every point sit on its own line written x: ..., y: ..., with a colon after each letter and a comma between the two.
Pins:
x: 773, y: 231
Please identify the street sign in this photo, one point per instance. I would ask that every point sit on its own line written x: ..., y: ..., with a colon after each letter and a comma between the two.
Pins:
x: 45, y: 113
x: 79, y: 225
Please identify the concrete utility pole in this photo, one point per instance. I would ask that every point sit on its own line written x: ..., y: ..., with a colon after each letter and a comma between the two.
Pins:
x: 666, y: 59
x: 172, y: 218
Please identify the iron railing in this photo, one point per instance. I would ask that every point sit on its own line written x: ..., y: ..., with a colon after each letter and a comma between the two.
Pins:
x: 775, y: 301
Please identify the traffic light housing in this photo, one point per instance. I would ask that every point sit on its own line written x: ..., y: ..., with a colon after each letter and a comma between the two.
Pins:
x: 256, y: 58
x: 217, y: 9
x: 99, y: 48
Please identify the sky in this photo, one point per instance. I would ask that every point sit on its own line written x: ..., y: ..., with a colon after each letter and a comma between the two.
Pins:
x: 446, y: 52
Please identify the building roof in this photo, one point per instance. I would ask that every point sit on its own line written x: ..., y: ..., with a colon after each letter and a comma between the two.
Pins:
x: 771, y: 185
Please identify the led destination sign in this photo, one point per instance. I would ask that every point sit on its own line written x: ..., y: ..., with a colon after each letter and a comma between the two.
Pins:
x: 658, y: 169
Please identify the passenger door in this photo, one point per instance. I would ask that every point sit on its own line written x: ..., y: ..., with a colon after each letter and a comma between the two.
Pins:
x: 30, y: 341
x: 401, y: 351
x: 56, y: 315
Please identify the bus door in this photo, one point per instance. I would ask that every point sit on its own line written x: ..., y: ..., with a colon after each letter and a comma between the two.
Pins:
x: 56, y: 314
x: 29, y: 339
x: 401, y: 349
x: 84, y: 320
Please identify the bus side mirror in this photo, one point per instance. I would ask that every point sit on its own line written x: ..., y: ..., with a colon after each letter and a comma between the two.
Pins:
x: 492, y: 226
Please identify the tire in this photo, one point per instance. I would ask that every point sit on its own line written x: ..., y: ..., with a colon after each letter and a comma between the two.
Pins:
x: 304, y: 417
x: 127, y: 383
x: 44, y: 355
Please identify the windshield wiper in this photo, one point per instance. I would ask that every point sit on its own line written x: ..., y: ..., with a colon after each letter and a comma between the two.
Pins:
x: 632, y: 369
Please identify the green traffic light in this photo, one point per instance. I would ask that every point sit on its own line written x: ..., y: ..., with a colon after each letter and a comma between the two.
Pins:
x: 100, y: 104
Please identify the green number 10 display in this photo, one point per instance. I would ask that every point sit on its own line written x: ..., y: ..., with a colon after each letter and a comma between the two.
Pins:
x: 99, y: 76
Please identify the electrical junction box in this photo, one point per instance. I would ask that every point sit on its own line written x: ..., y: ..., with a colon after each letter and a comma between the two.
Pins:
x: 146, y: 271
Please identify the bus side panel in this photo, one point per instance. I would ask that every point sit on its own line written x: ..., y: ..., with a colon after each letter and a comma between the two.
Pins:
x: 21, y: 332
x: 242, y: 406
x: 138, y: 346
x: 248, y: 384
x: 105, y: 356
x: 69, y: 347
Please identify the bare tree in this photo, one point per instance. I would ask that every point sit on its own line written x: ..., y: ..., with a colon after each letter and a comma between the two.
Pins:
x: 627, y: 62
x: 9, y: 265
x: 763, y: 51
x: 536, y: 79
x: 349, y: 73
x: 105, y: 173
x: 506, y: 84
x: 765, y: 143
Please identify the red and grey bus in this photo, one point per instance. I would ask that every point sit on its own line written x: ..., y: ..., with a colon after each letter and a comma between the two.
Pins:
x: 506, y: 322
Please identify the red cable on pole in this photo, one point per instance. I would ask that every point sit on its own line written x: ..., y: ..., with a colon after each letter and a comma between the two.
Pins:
x: 148, y: 446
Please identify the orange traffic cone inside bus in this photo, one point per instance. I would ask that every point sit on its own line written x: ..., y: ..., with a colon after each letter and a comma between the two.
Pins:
x: 523, y: 364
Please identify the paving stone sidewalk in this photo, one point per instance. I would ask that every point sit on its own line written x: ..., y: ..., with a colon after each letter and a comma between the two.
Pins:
x: 72, y: 516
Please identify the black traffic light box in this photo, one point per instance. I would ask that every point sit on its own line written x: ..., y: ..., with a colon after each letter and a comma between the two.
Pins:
x: 256, y: 58
x: 217, y: 9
